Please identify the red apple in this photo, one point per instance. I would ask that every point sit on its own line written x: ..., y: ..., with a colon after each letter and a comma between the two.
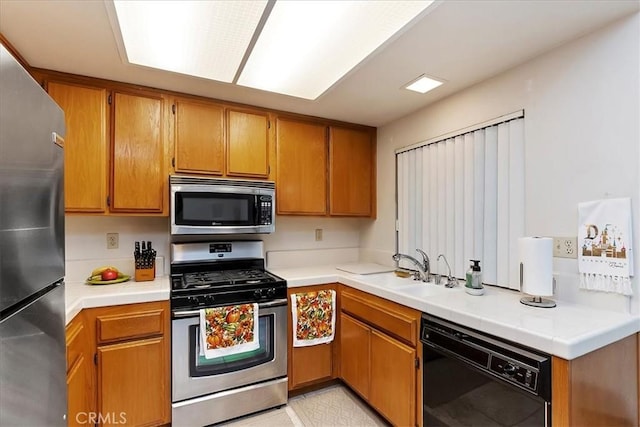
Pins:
x: 109, y: 274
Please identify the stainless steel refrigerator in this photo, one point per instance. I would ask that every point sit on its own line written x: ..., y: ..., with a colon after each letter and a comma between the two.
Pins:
x: 32, y: 314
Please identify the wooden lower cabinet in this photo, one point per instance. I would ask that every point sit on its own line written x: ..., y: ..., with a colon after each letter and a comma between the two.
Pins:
x: 314, y: 364
x: 597, y: 389
x: 130, y: 383
x: 355, y: 339
x: 120, y: 372
x: 80, y: 388
x: 393, y: 379
x: 379, y: 355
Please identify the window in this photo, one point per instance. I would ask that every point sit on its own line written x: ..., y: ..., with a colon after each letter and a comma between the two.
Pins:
x: 462, y: 195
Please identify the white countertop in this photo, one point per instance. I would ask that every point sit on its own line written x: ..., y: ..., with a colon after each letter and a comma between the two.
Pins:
x: 567, y: 331
x: 79, y: 295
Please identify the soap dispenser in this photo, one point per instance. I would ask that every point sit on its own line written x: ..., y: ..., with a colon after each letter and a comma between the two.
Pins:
x: 473, y: 285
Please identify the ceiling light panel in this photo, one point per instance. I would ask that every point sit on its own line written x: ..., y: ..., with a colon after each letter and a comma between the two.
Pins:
x: 423, y: 84
x: 307, y: 46
x: 201, y: 38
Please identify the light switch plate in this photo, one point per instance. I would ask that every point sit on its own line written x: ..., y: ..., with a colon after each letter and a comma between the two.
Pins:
x: 565, y: 247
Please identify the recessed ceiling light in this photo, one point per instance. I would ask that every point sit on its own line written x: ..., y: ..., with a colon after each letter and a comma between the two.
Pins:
x: 307, y: 46
x: 201, y: 38
x: 423, y: 84
x: 296, y: 48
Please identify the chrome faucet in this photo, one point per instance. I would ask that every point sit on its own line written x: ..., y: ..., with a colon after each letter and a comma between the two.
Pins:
x: 424, y: 267
x: 451, y: 281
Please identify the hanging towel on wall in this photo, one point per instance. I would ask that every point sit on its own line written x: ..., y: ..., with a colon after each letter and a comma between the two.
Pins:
x: 229, y: 330
x: 605, y: 259
x: 314, y: 317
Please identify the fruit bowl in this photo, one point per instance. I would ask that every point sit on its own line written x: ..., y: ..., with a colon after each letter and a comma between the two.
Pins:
x: 120, y: 279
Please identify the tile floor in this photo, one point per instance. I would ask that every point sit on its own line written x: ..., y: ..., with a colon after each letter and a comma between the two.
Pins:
x: 331, y: 406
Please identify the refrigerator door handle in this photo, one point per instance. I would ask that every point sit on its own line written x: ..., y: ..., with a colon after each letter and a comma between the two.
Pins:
x: 57, y: 139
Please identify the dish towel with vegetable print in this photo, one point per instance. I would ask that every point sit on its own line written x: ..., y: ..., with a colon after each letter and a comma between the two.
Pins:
x: 314, y: 315
x: 605, y: 252
x: 229, y: 330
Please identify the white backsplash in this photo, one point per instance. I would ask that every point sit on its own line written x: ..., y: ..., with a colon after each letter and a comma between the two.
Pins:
x: 565, y: 271
x: 311, y: 257
x: 293, y: 244
x: 79, y: 270
x: 86, y: 238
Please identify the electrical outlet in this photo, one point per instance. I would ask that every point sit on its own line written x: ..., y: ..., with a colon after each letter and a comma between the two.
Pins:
x: 112, y: 240
x: 318, y: 234
x: 565, y: 247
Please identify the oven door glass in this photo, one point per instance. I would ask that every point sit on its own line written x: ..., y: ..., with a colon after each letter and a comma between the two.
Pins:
x: 200, y: 366
x: 221, y: 209
x: 455, y: 394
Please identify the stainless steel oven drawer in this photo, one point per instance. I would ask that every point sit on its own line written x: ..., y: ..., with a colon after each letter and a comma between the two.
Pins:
x: 229, y: 404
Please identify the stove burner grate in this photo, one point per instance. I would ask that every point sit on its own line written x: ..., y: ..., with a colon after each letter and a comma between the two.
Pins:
x: 206, y: 279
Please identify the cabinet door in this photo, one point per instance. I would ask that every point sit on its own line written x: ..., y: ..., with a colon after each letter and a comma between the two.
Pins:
x: 248, y: 144
x: 80, y: 389
x: 138, y: 173
x: 313, y: 364
x: 393, y: 379
x: 199, y: 137
x: 133, y: 382
x: 350, y: 172
x: 354, y: 354
x: 79, y: 393
x: 85, y: 146
x: 301, y: 168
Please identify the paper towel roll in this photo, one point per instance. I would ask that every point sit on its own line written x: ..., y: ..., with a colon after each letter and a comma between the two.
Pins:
x: 536, y: 258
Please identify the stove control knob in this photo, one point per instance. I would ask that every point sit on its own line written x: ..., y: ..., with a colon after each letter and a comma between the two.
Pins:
x: 209, y: 298
x: 509, y: 369
x: 271, y: 292
x: 258, y: 293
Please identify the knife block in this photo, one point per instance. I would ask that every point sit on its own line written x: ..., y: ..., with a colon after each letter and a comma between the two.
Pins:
x: 145, y: 274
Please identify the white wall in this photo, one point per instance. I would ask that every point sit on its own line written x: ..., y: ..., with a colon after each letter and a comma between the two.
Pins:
x: 86, y: 238
x: 582, y: 129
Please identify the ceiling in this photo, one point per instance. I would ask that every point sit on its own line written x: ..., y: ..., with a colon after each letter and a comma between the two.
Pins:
x: 460, y: 41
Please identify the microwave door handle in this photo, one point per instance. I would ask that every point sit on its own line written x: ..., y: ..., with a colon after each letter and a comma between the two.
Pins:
x: 256, y: 209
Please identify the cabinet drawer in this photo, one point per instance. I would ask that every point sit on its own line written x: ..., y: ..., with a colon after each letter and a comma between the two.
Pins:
x: 130, y: 325
x: 76, y: 338
x: 383, y: 315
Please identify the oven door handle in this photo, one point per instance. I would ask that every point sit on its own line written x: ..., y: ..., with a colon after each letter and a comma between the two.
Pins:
x: 191, y: 313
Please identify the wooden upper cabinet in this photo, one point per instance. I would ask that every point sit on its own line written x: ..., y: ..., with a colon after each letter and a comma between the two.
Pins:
x: 199, y: 137
x: 301, y: 156
x: 86, y: 146
x: 351, y: 172
x: 247, y: 143
x: 138, y: 173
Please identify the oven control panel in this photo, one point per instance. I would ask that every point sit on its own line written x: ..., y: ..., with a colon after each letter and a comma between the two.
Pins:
x: 515, y: 372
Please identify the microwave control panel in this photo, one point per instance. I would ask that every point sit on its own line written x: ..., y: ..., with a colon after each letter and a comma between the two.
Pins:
x: 265, y: 209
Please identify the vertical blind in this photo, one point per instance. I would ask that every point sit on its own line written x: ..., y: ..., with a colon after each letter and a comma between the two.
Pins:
x: 463, y: 196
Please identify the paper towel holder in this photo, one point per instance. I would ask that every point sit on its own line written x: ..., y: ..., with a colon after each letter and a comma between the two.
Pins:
x: 535, y: 301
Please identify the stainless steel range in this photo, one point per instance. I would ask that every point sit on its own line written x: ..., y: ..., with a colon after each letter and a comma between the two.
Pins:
x: 214, y: 274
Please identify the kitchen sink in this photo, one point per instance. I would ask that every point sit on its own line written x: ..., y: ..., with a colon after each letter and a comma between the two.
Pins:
x: 424, y: 290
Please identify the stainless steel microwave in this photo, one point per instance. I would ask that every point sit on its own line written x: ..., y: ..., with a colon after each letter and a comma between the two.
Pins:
x: 221, y: 206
